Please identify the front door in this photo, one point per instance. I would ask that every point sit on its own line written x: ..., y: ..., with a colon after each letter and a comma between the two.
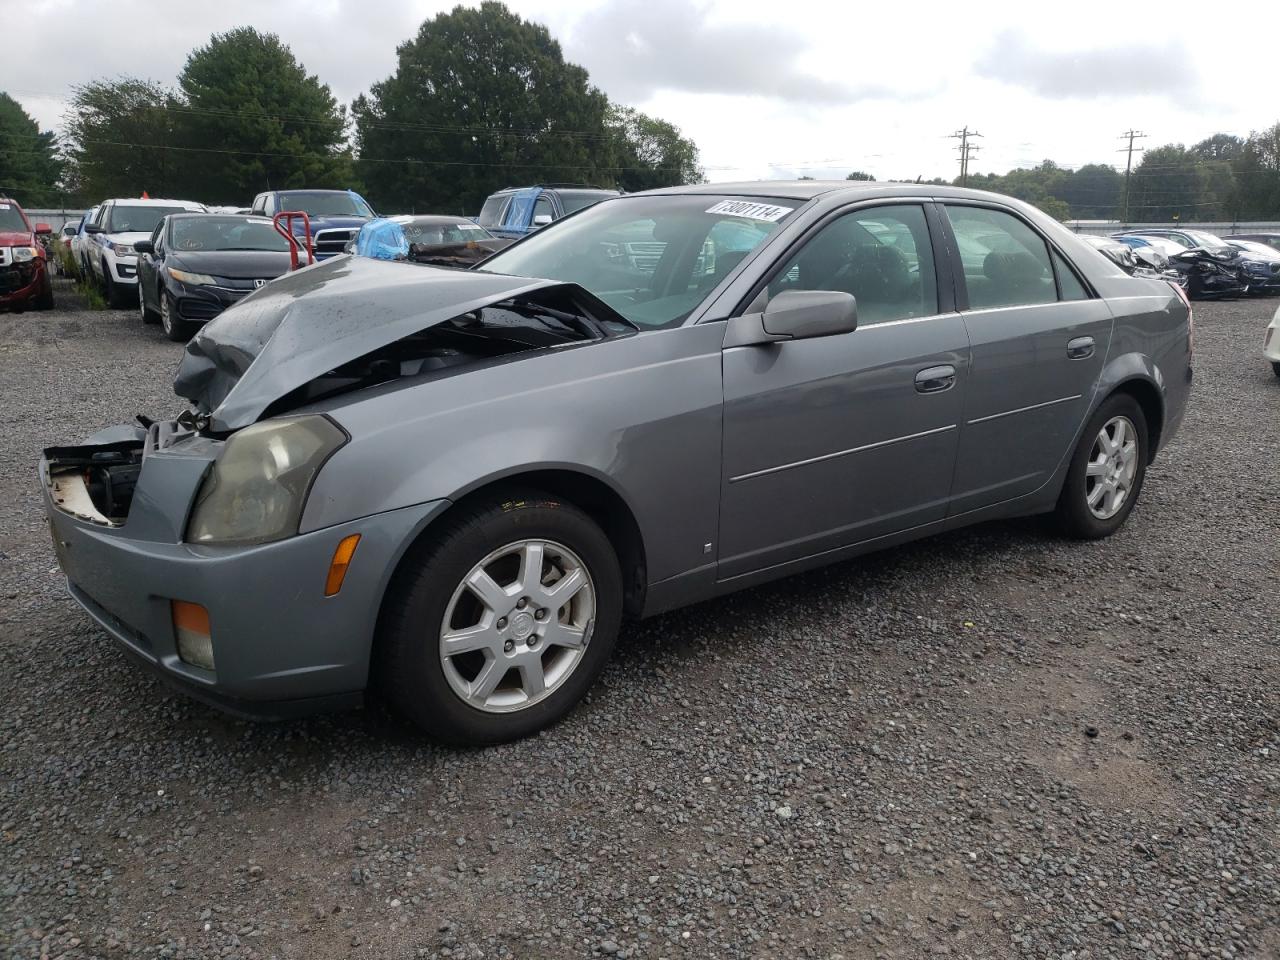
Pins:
x: 1039, y: 341
x: 837, y: 440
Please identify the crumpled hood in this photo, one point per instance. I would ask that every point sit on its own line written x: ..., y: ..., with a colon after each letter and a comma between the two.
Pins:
x: 309, y: 322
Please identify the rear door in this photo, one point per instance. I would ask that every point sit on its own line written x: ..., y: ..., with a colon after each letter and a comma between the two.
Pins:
x: 1039, y: 338
x: 837, y: 440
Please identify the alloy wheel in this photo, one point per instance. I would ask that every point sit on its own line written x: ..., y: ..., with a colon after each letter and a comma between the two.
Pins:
x: 166, y: 315
x: 1112, y: 468
x: 517, y: 625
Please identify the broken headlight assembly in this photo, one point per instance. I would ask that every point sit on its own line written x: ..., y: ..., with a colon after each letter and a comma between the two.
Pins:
x: 24, y: 254
x: 256, y: 489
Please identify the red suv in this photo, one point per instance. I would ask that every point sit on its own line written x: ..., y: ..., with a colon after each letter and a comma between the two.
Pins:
x: 24, y: 271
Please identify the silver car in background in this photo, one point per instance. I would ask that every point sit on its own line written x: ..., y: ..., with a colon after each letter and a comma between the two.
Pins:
x: 454, y: 484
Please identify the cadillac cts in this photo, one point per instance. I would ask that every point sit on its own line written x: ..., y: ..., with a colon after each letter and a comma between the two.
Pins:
x: 452, y: 485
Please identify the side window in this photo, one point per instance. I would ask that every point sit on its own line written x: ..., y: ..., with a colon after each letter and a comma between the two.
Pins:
x: 543, y: 212
x: 156, y: 236
x: 259, y: 204
x: 1006, y: 263
x: 491, y: 212
x: 1069, y: 285
x: 101, y: 218
x: 881, y: 255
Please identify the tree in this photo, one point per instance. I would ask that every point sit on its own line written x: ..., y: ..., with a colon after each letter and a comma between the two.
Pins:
x: 649, y: 153
x: 254, y: 119
x: 1166, y: 186
x: 480, y: 99
x: 117, y: 135
x: 860, y: 175
x: 1257, y: 175
x: 1093, y: 192
x: 29, y: 165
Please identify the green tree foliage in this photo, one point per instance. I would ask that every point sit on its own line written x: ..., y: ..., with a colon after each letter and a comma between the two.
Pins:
x: 117, y: 133
x: 1257, y: 175
x: 480, y: 99
x: 1041, y: 186
x: 648, y: 153
x: 275, y: 126
x: 860, y: 175
x: 1166, y: 185
x: 1093, y: 192
x: 29, y: 165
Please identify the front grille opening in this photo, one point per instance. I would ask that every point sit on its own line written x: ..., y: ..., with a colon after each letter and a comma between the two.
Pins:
x: 95, y: 483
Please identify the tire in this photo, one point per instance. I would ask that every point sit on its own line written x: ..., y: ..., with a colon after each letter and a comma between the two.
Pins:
x: 1275, y: 367
x: 1092, y: 465
x: 45, y: 300
x: 174, y: 327
x: 110, y: 289
x: 148, y: 315
x: 425, y: 687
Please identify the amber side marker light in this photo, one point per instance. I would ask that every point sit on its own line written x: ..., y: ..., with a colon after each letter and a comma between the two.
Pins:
x: 341, y: 561
x: 191, y: 628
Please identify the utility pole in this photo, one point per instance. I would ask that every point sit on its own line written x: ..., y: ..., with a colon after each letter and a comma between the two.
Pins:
x: 966, y: 150
x: 1131, y: 135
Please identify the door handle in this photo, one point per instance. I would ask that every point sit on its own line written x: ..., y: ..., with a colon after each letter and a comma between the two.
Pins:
x: 1081, y: 348
x: 936, y: 379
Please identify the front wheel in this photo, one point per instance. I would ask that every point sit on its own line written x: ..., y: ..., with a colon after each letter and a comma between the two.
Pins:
x: 1275, y: 367
x: 1106, y: 471
x: 497, y: 625
x: 174, y: 327
x: 111, y: 291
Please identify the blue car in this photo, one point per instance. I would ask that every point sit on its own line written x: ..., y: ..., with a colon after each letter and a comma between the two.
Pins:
x: 516, y: 211
x: 336, y: 215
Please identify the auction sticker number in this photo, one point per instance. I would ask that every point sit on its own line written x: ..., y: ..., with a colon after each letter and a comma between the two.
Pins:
x: 768, y: 212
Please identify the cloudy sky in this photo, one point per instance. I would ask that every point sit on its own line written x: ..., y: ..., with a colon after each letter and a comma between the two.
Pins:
x: 765, y: 89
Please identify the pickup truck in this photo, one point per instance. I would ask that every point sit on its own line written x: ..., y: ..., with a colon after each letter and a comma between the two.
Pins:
x: 24, y: 269
x: 516, y: 211
x: 336, y: 215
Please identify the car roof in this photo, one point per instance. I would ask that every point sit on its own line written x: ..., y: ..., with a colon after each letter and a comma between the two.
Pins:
x: 804, y: 190
x: 154, y: 202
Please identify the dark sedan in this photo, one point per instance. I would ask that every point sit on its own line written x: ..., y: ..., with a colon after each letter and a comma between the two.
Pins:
x: 435, y: 239
x: 195, y: 265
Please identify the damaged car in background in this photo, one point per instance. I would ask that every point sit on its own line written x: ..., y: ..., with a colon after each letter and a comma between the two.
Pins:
x: 451, y: 485
x: 438, y: 240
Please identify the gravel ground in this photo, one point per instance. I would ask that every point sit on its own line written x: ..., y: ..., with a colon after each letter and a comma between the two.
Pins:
x: 991, y: 744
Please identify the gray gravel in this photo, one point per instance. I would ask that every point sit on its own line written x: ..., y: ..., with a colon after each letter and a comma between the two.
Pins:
x: 992, y: 744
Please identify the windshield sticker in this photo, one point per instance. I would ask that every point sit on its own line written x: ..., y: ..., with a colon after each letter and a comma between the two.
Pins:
x: 259, y: 220
x: 469, y: 226
x: 768, y: 212
x: 4, y: 206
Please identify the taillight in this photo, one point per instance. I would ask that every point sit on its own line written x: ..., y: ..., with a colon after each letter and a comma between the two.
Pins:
x: 1191, y: 321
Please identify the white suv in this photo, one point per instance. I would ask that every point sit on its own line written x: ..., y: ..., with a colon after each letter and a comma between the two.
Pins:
x: 112, y: 233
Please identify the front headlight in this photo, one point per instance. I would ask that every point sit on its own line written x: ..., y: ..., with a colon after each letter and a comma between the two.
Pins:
x: 257, y: 488
x: 23, y: 254
x: 196, y: 279
x: 122, y: 249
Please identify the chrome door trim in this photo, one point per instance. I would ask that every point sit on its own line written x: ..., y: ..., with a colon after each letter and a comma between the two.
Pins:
x: 1034, y: 406
x: 841, y: 453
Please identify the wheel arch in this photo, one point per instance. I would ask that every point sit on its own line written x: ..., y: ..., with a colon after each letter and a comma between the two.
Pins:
x: 587, y: 491
x: 1136, y: 375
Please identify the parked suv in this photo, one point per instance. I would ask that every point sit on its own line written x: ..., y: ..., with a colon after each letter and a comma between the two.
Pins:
x: 24, y: 268
x: 516, y: 211
x: 336, y: 215
x: 118, y: 224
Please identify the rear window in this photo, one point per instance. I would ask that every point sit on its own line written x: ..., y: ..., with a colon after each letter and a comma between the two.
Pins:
x: 573, y: 200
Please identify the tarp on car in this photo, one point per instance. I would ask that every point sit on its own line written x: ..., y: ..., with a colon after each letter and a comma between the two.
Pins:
x: 382, y: 240
x: 311, y: 321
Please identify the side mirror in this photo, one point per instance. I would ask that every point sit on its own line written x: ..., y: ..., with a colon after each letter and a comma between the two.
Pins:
x: 796, y: 315
x: 542, y: 220
x: 43, y: 229
x: 143, y: 246
x: 93, y: 228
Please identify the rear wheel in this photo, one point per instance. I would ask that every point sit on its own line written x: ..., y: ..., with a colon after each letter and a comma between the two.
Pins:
x: 1106, y: 471
x: 499, y: 624
x: 175, y: 328
x: 148, y: 314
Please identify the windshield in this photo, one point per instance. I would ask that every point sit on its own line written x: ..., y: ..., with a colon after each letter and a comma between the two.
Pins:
x: 335, y: 204
x: 447, y: 231
x: 11, y: 219
x: 1252, y: 246
x: 124, y: 219
x: 225, y: 233
x: 653, y: 259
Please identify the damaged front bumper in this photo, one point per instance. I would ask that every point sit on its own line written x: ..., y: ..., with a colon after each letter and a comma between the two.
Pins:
x: 280, y: 647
